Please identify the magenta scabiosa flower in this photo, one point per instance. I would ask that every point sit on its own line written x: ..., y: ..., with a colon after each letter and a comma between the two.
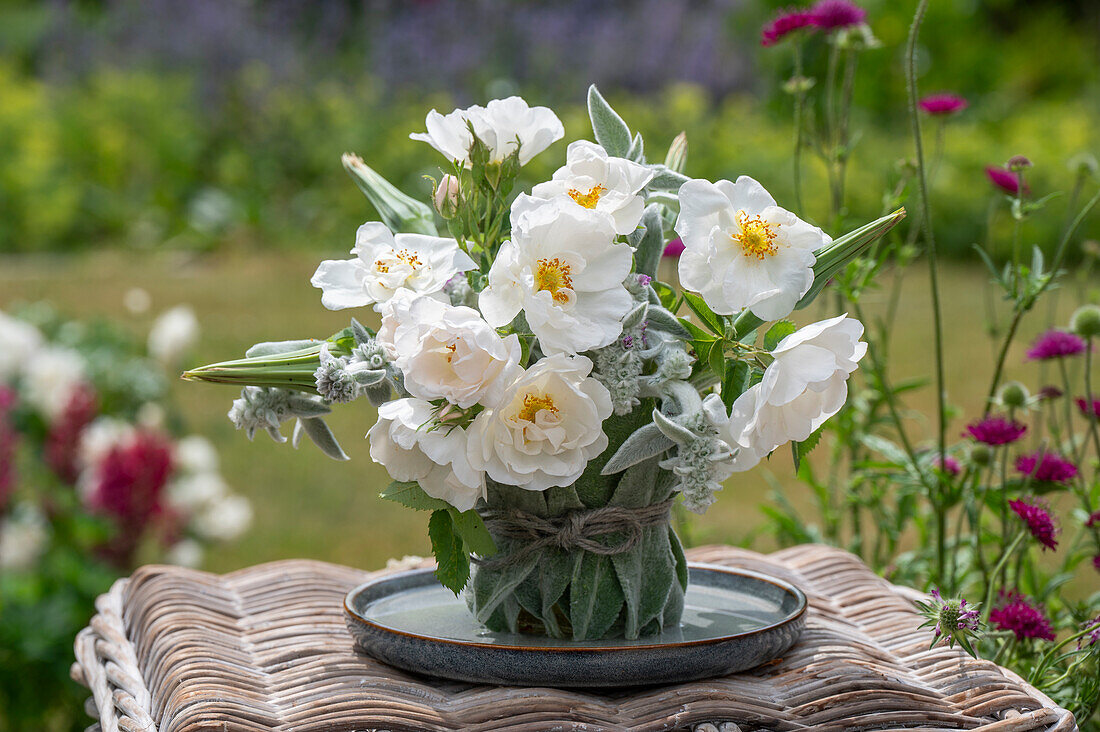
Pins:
x: 950, y: 465
x: 953, y: 621
x: 1050, y: 392
x: 1092, y: 628
x: 1038, y: 519
x: 1017, y: 614
x: 786, y: 22
x: 63, y: 439
x: 1093, y: 520
x: 1056, y: 344
x: 996, y: 430
x: 1090, y: 408
x: 1096, y: 562
x: 674, y: 248
x: 835, y: 14
x: 1005, y: 179
x: 1047, y: 467
x: 8, y: 441
x: 939, y: 105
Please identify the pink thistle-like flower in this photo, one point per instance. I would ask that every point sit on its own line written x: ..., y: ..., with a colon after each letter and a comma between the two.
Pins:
x: 1047, y: 467
x: 1005, y: 179
x: 1018, y: 615
x: 63, y: 440
x: 996, y: 430
x: 1090, y: 408
x: 787, y: 21
x: 1039, y: 521
x: 1094, y: 635
x: 1093, y: 520
x: 674, y: 248
x: 950, y: 465
x: 835, y: 14
x: 939, y: 105
x: 1050, y: 392
x: 1056, y: 344
x: 9, y: 440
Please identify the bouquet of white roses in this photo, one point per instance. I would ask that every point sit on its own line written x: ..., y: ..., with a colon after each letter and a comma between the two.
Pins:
x: 537, y: 389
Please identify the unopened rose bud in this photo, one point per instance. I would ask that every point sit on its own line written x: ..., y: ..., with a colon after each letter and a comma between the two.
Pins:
x: 445, y: 196
x: 1018, y: 163
x: 1085, y: 321
x: 676, y: 159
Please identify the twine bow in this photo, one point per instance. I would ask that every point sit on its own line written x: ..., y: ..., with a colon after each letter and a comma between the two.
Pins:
x: 574, y: 530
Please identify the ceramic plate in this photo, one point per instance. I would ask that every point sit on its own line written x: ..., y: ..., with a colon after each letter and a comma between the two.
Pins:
x: 733, y: 620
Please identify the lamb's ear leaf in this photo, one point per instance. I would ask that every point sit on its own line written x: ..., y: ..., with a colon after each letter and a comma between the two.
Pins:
x: 608, y: 127
x: 651, y: 245
x: 319, y: 432
x: 644, y: 443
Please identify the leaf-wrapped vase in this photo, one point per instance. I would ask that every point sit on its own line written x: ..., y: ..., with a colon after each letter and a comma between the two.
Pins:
x: 628, y: 583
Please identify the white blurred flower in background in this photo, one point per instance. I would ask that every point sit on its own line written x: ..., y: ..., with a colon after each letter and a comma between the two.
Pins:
x: 185, y: 553
x: 173, y: 334
x: 224, y: 520
x: 18, y: 342
x: 50, y: 376
x: 24, y: 535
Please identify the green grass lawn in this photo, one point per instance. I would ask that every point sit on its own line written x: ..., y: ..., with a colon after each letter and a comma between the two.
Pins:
x: 309, y: 506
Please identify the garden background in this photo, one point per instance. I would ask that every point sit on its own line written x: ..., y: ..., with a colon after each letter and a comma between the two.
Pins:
x: 191, y: 150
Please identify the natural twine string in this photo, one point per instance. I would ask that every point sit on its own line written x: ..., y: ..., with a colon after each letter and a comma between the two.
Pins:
x: 574, y: 530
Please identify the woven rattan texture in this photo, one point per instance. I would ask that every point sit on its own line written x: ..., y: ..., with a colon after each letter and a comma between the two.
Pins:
x: 265, y: 648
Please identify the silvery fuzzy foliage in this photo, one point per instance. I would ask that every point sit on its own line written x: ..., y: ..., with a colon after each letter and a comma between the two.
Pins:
x: 459, y: 291
x: 702, y: 460
x: 335, y: 382
x: 618, y: 367
x: 267, y: 408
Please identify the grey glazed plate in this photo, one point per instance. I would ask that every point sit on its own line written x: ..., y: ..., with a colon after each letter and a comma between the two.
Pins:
x: 733, y: 620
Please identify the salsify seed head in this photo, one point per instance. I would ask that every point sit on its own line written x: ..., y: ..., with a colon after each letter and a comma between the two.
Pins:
x: 1085, y: 321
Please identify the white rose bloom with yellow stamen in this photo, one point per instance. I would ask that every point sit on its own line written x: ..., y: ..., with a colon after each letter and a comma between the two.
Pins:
x: 445, y: 351
x: 741, y: 250
x: 503, y: 124
x: 384, y: 263
x: 545, y: 428
x: 408, y: 443
x: 594, y: 180
x: 565, y: 270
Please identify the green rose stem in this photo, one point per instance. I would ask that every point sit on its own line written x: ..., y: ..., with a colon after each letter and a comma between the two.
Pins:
x: 293, y: 370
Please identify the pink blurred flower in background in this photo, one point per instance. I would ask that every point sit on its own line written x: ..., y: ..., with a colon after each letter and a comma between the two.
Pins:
x: 1004, y: 179
x: 943, y: 104
x: 1017, y: 614
x: 996, y: 430
x: 1047, y: 467
x: 1056, y: 344
x: 1038, y: 519
x: 674, y: 248
x: 835, y: 14
x: 786, y: 22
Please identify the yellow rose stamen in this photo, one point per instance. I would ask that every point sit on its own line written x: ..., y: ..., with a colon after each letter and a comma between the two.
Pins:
x: 553, y: 275
x: 590, y: 199
x: 404, y: 255
x: 535, y: 403
x: 756, y: 237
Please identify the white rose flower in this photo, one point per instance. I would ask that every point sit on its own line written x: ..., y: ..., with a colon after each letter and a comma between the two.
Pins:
x: 805, y: 385
x: 743, y: 251
x: 502, y: 125
x: 593, y: 179
x: 24, y: 534
x: 224, y: 520
x: 173, y: 334
x: 195, y: 454
x: 404, y: 441
x: 384, y: 263
x: 546, y: 427
x: 445, y: 351
x: 185, y: 553
x: 50, y: 376
x: 191, y: 494
x: 565, y: 270
x: 19, y: 341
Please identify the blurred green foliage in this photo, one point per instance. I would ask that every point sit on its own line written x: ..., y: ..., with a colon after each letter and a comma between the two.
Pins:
x: 140, y: 156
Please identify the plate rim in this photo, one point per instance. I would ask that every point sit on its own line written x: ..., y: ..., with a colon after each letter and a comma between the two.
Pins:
x: 799, y: 612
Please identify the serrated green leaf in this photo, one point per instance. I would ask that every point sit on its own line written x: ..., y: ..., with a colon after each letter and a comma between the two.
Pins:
x: 472, y: 529
x: 702, y: 311
x: 777, y: 333
x: 800, y: 450
x: 411, y: 495
x: 736, y: 382
x: 697, y: 333
x: 716, y: 359
x: 450, y: 553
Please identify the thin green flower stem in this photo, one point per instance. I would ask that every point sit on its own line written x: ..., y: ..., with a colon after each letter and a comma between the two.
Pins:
x: 988, y: 605
x: 1092, y: 421
x: 1045, y: 661
x: 799, y: 103
x: 1004, y: 500
x: 1017, y: 316
x: 1010, y: 642
x: 1071, y: 435
x: 976, y: 526
x: 1018, y: 221
x: 930, y: 242
x: 841, y: 151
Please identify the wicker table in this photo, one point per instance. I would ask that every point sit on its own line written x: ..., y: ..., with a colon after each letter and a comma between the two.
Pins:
x: 265, y: 648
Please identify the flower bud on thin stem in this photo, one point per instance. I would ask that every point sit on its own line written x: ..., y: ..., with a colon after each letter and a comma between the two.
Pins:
x: 445, y: 197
